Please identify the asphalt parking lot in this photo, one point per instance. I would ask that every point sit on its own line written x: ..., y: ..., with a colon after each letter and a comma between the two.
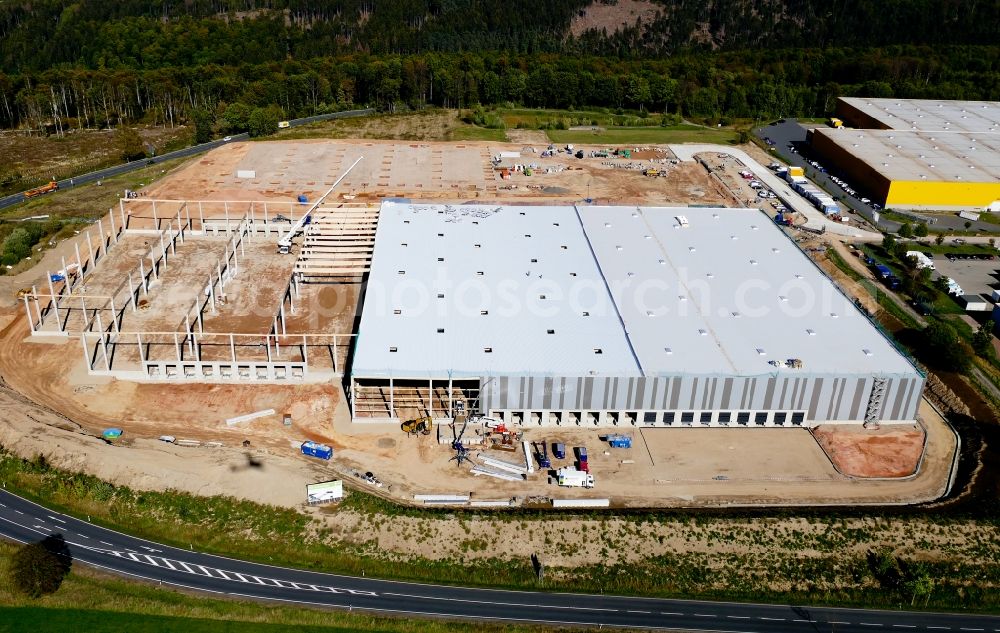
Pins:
x: 791, y: 133
x: 975, y: 276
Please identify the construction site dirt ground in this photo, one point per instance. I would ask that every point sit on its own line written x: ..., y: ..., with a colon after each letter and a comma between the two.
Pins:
x: 457, y: 172
x: 672, y: 467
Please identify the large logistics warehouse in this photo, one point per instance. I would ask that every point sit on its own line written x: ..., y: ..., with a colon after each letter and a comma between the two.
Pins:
x: 917, y: 154
x: 603, y: 316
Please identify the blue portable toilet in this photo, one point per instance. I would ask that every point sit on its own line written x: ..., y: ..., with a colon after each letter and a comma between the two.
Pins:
x: 303, y: 199
x: 313, y: 449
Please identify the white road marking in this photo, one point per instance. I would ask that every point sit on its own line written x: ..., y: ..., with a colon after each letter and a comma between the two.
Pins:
x: 773, y: 619
x: 940, y: 628
x: 965, y: 629
x: 106, y: 543
x: 670, y: 613
x: 869, y: 624
x: 635, y: 611
x: 738, y: 617
x: 804, y: 621
x: 18, y: 511
x: 904, y: 626
x: 704, y: 615
x: 505, y: 604
x: 55, y: 519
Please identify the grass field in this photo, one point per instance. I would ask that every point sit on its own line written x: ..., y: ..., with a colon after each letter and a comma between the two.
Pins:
x: 779, y: 574
x: 89, y: 201
x: 95, y: 602
x: 645, y: 135
x: 427, y: 125
x: 33, y: 160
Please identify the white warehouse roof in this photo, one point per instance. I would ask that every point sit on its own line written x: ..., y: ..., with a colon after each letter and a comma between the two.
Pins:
x: 929, y: 115
x: 627, y: 291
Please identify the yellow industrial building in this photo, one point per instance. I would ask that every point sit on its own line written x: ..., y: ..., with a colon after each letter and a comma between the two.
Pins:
x: 917, y: 154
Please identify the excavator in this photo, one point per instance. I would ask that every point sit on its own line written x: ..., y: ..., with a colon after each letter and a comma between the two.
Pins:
x: 418, y: 425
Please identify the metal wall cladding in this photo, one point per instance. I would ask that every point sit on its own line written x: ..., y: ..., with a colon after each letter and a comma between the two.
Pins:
x: 824, y: 397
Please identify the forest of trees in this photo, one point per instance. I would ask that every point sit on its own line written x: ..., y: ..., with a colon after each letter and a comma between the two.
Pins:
x: 92, y: 63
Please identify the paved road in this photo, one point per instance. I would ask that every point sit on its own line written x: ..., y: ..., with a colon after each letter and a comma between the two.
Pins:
x: 101, y: 174
x: 23, y: 521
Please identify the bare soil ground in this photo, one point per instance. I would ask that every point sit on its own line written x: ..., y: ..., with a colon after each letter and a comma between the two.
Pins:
x: 887, y: 452
x: 611, y: 18
x: 736, y: 466
x: 434, y: 171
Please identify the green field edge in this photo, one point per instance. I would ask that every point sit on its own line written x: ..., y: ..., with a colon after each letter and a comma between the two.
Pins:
x: 623, y: 579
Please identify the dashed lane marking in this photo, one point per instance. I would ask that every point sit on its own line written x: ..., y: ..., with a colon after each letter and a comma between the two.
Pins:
x: 704, y: 615
x: 55, y: 519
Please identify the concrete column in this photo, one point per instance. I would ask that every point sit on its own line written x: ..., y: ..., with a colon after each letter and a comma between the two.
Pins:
x: 201, y: 217
x: 124, y: 226
x: 86, y: 319
x: 163, y: 251
x: 138, y: 342
x: 54, y: 299
x: 65, y: 274
x: 27, y: 313
x: 197, y: 348
x: 187, y: 211
x: 156, y: 223
x: 291, y: 298
x: 335, y: 354
x: 86, y: 352
x: 177, y: 347
x: 277, y: 347
x: 38, y: 306
x: 451, y: 403
x: 114, y: 315
x: 267, y: 347
x: 430, y: 397
x: 201, y: 318
x: 281, y: 311
x: 232, y: 348
x: 226, y: 207
x: 305, y: 352
x: 142, y: 278
x: 392, y: 399
x: 79, y: 262
x: 152, y: 261
x: 243, y: 250
x: 211, y: 293
x: 90, y: 249
x: 104, y: 343
x: 222, y: 282
x: 121, y: 210
x: 131, y: 292
x: 180, y: 225
x: 104, y: 238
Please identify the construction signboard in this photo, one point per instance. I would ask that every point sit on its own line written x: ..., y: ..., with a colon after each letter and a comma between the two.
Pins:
x: 324, y: 492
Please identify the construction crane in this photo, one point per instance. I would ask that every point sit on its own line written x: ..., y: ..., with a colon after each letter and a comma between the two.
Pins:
x: 285, y: 243
x: 461, y: 452
x: 418, y: 425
